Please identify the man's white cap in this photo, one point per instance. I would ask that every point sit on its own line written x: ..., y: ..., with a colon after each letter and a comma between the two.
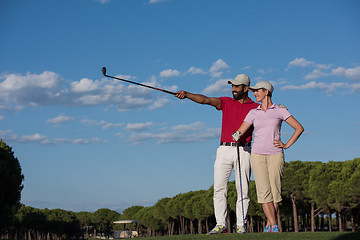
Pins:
x: 262, y: 84
x: 240, y: 79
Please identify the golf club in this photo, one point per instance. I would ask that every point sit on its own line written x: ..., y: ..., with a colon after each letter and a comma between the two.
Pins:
x: 241, y: 190
x: 165, y: 91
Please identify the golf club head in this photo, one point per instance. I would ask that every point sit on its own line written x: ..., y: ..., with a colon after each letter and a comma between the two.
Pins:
x: 104, y: 70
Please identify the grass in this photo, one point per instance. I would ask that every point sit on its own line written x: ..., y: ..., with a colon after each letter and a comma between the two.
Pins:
x: 267, y: 236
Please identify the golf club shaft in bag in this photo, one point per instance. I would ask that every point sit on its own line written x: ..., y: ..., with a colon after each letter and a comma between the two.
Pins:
x: 140, y: 84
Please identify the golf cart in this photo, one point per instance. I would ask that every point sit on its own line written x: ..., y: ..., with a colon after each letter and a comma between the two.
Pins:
x: 126, y: 233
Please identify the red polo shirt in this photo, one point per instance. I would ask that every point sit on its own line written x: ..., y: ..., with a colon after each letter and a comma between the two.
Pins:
x: 233, y: 116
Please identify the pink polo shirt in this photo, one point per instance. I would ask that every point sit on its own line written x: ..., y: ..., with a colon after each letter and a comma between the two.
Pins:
x: 267, y: 127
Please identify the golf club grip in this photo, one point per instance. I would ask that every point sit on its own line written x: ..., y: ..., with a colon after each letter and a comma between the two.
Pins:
x: 140, y: 84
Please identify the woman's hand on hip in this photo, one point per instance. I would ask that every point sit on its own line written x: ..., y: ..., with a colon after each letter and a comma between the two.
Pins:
x: 279, y: 144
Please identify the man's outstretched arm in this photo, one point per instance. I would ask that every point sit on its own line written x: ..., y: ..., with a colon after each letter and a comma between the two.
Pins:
x: 198, y: 98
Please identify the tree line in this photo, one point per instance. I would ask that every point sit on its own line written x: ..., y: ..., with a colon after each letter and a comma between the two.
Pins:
x: 317, y: 196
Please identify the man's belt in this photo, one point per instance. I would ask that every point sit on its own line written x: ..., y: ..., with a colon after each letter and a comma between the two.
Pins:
x: 234, y: 144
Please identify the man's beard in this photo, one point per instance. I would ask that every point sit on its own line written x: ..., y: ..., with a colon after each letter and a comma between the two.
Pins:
x: 238, y: 95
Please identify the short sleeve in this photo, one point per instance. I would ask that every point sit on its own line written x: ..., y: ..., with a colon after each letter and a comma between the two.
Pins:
x: 284, y: 114
x: 222, y: 103
x: 250, y: 117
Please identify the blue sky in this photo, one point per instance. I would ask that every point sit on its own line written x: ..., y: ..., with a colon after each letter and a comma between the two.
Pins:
x: 87, y: 142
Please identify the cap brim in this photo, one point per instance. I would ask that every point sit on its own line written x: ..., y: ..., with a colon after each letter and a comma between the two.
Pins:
x: 236, y: 83
x: 253, y: 89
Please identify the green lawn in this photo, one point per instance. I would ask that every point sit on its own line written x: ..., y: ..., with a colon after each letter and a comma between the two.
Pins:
x: 267, y: 236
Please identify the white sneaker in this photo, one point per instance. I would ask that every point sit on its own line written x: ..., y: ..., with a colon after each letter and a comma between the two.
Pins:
x: 240, y: 229
x: 217, y: 229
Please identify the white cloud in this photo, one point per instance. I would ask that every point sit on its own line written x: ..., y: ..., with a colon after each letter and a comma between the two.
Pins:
x: 189, y: 127
x: 112, y: 125
x: 102, y: 1
x: 194, y: 132
x: 102, y: 123
x: 93, y: 122
x: 2, y: 118
x: 194, y: 70
x: 220, y: 86
x: 159, y: 103
x: 169, y: 73
x: 355, y: 87
x: 19, y: 91
x: 173, y: 137
x: 315, y: 74
x: 30, y: 89
x: 139, y: 126
x: 323, y: 66
x: 94, y: 140
x: 182, y: 133
x: 60, y: 119
x: 44, y: 140
x: 302, y: 62
x: 15, y: 82
x: 157, y: 1
x: 130, y: 102
x: 216, y: 74
x: 34, y: 138
x: 126, y: 77
x: 217, y: 68
x: 264, y: 71
x: 84, y: 85
x: 92, y: 99
x: 328, y: 87
x: 350, y: 73
x: 324, y: 70
x: 80, y: 141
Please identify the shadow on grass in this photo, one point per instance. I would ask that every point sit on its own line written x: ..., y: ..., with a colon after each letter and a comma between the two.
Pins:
x: 348, y: 236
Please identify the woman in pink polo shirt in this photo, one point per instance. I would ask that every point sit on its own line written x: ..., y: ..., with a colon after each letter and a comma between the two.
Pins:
x: 267, y: 155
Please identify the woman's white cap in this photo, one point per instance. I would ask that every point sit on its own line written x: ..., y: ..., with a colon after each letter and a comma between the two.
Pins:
x: 262, y: 84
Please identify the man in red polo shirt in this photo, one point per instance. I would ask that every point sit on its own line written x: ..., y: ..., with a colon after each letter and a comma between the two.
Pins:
x: 234, y: 112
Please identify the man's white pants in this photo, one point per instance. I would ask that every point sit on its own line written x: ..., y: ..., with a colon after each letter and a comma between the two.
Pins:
x: 226, y: 161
